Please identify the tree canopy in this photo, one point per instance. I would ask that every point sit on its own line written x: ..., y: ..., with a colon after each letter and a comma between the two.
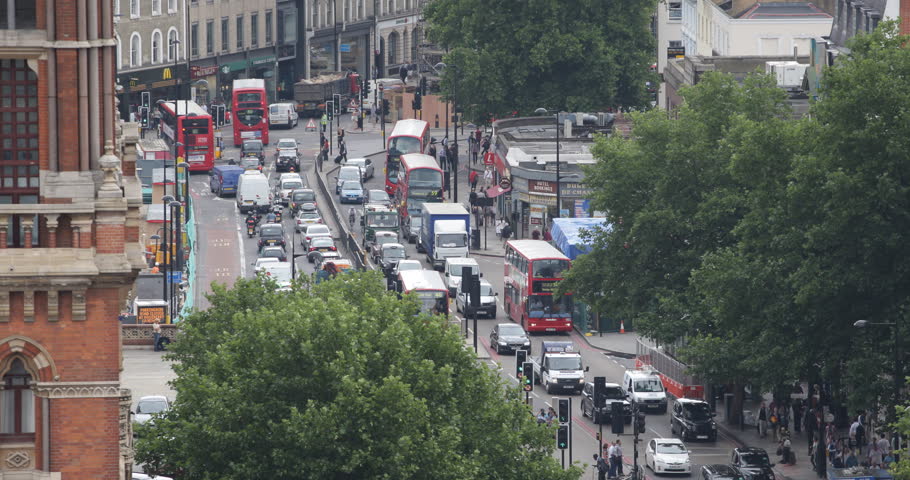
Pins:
x: 338, y: 380
x: 518, y: 56
x: 760, y: 238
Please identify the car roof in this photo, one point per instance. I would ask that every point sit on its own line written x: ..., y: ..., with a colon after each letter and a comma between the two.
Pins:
x: 391, y: 246
x: 500, y: 325
x: 376, y: 190
x: 667, y: 441
x: 272, y: 247
x: 356, y: 160
x: 385, y: 233
x: 266, y: 260
x: 287, y: 140
x: 461, y: 260
x: 641, y: 373
x: 483, y: 281
x: 153, y: 397
x: 611, y: 385
x: 750, y: 450
x: 319, y: 226
x: 408, y: 262
x: 690, y: 401
x: 722, y: 468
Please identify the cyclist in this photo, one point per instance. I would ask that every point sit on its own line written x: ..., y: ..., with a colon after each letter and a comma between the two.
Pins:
x: 352, y: 216
x: 271, y: 217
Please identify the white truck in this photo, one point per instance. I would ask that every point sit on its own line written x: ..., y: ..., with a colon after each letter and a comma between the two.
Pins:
x: 559, y: 367
x: 789, y: 74
x: 444, y: 232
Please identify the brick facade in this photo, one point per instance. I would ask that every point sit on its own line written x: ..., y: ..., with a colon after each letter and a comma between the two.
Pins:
x: 68, y: 246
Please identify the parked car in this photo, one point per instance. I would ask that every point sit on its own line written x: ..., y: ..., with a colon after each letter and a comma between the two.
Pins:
x: 319, y: 246
x: 378, y: 197
x: 719, y: 471
x: 253, y: 148
x: 274, y: 251
x: 148, y: 406
x: 351, y: 192
x: 693, y: 420
x: 313, y: 231
x: 365, y: 165
x: 509, y: 337
x: 667, y: 455
x: 308, y: 215
x: 754, y: 461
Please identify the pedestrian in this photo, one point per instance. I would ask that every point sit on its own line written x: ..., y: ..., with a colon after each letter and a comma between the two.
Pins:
x: 499, y: 225
x: 603, y: 466
x: 617, y: 451
x: 453, y: 156
x: 797, y: 414
x: 432, y: 151
x: 475, y: 150
x: 783, y: 417
x: 343, y: 149
x: 340, y: 135
x: 478, y: 135
x: 851, y: 461
x: 535, y: 235
x: 784, y: 450
x: 324, y: 121
x: 612, y: 459
x: 541, y: 417
x: 485, y: 145
x: 875, y: 454
x: 551, y: 415
x: 506, y: 231
x: 546, y: 236
x: 762, y: 420
x: 811, y: 425
x: 472, y: 178
x: 443, y: 151
x: 156, y: 334
x: 853, y: 428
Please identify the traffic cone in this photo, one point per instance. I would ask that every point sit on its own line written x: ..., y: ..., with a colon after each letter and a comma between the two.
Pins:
x: 622, y: 327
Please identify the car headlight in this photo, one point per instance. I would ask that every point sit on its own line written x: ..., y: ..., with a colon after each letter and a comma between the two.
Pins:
x: 502, y: 342
x: 713, y: 426
x: 527, y: 342
x: 581, y: 380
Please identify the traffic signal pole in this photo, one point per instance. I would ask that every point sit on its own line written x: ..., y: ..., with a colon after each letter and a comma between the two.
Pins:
x: 570, y: 431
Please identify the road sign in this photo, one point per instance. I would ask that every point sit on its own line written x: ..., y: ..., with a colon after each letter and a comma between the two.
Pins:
x: 344, y: 47
x: 311, y: 125
x: 505, y: 183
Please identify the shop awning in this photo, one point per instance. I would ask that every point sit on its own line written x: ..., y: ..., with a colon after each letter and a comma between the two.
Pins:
x: 496, y: 191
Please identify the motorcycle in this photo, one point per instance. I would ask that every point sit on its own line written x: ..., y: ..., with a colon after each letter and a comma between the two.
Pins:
x: 250, y: 230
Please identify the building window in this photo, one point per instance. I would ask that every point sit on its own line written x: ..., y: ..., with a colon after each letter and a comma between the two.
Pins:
x: 315, y: 22
x: 134, y: 8
x: 171, y: 6
x: 19, y: 180
x: 116, y: 8
x: 391, y: 7
x: 225, y: 35
x: 393, y: 48
x: 268, y: 27
x: 135, y: 50
x: 119, y: 52
x: 209, y: 37
x: 156, y: 7
x: 675, y: 10
x: 173, y: 45
x: 360, y: 14
x: 156, y: 46
x: 194, y: 39
x: 254, y: 29
x: 240, y: 32
x: 347, y: 11
x: 17, y: 402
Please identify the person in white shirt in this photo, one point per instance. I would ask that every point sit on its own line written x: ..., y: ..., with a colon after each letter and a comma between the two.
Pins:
x: 617, y: 452
x: 611, y: 457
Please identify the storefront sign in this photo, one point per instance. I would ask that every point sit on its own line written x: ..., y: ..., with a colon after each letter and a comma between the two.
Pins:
x: 151, y: 314
x: 581, y: 208
x: 576, y: 190
x: 287, y: 51
x: 541, y: 186
x: 401, y: 21
x: 198, y: 72
x: 549, y: 201
x: 262, y: 60
x: 676, y: 52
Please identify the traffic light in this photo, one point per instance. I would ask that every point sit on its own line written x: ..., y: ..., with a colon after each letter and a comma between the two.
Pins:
x: 562, y: 437
x: 563, y: 412
x: 640, y: 421
x: 617, y: 421
x: 520, y: 357
x: 423, y: 86
x: 146, y: 99
x: 418, y: 100
x: 527, y: 381
x: 366, y: 88
x: 385, y: 106
x: 144, y: 117
x: 219, y: 115
x: 600, y: 392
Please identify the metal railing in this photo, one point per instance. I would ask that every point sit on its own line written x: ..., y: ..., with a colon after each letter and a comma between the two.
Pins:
x: 358, y: 256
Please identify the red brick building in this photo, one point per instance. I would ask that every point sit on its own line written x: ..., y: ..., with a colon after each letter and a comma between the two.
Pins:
x: 69, y: 250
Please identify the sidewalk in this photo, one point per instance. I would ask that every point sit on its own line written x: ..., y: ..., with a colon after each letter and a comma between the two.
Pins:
x: 748, y: 436
x: 617, y: 344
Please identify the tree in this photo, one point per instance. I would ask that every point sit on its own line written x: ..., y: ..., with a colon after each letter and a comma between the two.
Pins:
x: 518, y: 56
x: 901, y: 469
x: 338, y: 380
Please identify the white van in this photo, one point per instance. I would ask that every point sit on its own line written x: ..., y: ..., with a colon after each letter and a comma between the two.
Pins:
x: 253, y: 192
x: 282, y: 115
x: 645, y: 388
x: 453, y: 269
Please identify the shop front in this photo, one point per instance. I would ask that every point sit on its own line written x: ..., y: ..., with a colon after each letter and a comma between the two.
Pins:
x: 205, y: 83
x: 259, y: 64
x: 166, y: 82
x: 535, y: 203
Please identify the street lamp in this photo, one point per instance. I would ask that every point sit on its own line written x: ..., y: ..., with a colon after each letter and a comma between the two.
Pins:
x: 155, y: 237
x: 544, y: 111
x: 183, y: 191
x: 165, y: 201
x: 454, y: 160
x: 178, y: 250
x: 898, y: 354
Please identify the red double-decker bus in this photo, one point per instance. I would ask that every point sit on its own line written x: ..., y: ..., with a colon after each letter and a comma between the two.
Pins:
x: 250, y: 111
x: 408, y: 136
x: 533, y: 268
x: 419, y: 181
x: 191, y: 127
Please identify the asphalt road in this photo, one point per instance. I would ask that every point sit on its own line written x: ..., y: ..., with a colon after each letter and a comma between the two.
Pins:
x: 229, y: 254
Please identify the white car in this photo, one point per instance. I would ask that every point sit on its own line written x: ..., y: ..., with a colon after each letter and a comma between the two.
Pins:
x: 314, y: 231
x: 262, y: 261
x: 288, y: 144
x: 142, y: 476
x: 149, y: 406
x: 365, y: 164
x: 306, y: 217
x: 668, y: 455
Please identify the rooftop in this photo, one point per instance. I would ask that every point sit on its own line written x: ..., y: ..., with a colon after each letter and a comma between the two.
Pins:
x: 781, y: 10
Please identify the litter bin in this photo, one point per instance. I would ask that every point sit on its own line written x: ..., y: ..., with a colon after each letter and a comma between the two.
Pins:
x: 475, y: 239
x: 728, y: 407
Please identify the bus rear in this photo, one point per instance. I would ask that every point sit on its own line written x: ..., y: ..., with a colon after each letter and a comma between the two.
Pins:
x: 420, y: 180
x: 198, y: 142
x: 427, y: 285
x: 534, y: 269
x: 250, y: 111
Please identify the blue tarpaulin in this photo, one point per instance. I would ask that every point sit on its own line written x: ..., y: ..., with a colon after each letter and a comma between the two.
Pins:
x: 566, y: 233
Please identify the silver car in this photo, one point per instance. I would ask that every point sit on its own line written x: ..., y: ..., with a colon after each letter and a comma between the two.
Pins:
x: 366, y: 167
x: 150, y: 405
x: 378, y: 197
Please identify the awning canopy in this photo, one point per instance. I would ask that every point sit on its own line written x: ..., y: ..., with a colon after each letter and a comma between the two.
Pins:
x: 496, y: 191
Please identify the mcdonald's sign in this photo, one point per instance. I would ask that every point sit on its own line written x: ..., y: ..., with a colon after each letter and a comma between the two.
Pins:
x: 166, y: 73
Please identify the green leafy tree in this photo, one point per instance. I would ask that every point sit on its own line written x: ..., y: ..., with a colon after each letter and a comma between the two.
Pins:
x: 582, y: 55
x: 338, y: 380
x: 901, y: 469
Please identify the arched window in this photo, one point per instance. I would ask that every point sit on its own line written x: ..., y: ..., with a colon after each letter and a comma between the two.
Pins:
x: 173, y: 45
x: 17, y: 401
x: 135, y: 50
x: 415, y: 41
x: 156, y: 47
x: 393, y: 48
x: 314, y: 23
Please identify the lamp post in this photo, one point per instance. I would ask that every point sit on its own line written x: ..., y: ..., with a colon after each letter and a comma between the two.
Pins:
x: 183, y: 190
x: 156, y: 238
x: 454, y: 158
x: 898, y: 354
x: 165, y: 202
x: 544, y: 111
x: 178, y: 250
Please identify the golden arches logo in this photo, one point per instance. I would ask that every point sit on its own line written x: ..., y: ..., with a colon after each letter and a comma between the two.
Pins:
x: 166, y: 74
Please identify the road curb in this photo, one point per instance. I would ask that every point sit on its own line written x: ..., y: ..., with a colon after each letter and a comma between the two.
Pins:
x: 614, y: 353
x: 493, y: 255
